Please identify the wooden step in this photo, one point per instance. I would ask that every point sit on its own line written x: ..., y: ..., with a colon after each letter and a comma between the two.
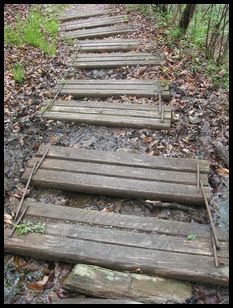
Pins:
x: 112, y: 87
x: 90, y: 61
x: 107, y: 45
x: 96, y: 32
x: 155, y: 246
x: 126, y: 115
x: 104, y: 21
x: 120, y: 174
x: 68, y: 17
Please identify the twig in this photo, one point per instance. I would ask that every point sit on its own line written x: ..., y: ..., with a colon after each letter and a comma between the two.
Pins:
x: 18, y: 221
x: 41, y: 161
x: 210, y: 217
x: 198, y: 175
x: 25, y: 190
x: 215, y: 252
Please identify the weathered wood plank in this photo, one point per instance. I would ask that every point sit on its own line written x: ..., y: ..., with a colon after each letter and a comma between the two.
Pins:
x: 108, y: 120
x: 68, y: 17
x: 89, y: 300
x: 126, y: 222
x: 96, y: 105
x: 139, y: 240
x: 103, y: 88
x: 112, y: 111
x: 116, y: 59
x: 108, y: 185
x: 102, y: 282
x: 162, y: 263
x: 165, y: 176
x: 107, y: 45
x: 118, y: 158
x: 95, y: 23
x: 96, y: 32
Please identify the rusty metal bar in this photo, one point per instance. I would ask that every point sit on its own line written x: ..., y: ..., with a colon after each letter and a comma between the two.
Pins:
x: 210, y: 217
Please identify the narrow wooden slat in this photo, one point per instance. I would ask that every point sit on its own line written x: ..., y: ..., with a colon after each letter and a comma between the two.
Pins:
x: 107, y: 45
x: 163, y: 263
x: 120, y: 171
x: 95, y: 23
x: 68, y: 17
x: 108, y: 120
x: 108, y: 81
x: 117, y: 158
x: 91, y: 301
x: 96, y: 32
x: 125, y: 222
x: 112, y: 111
x: 107, y: 185
x: 96, y: 105
x: 116, y: 59
x: 139, y: 240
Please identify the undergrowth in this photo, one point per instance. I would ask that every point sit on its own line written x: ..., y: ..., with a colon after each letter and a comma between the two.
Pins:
x: 40, y: 30
x: 18, y: 73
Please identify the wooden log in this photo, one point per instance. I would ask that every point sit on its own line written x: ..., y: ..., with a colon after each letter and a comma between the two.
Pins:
x: 107, y: 45
x: 101, y: 282
x: 91, y: 301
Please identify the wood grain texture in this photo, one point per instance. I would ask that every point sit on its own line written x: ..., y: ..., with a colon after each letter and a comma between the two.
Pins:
x: 102, y: 282
x: 96, y: 32
x: 104, y: 21
x: 89, y: 61
x: 107, y: 45
x: 93, y: 301
x: 69, y: 17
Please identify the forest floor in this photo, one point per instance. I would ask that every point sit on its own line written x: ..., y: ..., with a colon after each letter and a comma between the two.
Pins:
x: 200, y: 117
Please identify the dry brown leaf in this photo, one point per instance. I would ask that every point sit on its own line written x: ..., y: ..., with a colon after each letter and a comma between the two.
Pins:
x: 39, y: 285
x: 222, y: 171
x: 8, y: 219
x: 54, y: 140
x: 106, y: 209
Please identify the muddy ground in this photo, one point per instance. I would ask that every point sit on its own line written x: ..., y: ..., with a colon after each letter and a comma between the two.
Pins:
x: 24, y: 131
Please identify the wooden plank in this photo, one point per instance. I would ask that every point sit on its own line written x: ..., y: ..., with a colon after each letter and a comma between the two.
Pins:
x: 119, y: 221
x: 108, y: 185
x: 91, y: 301
x: 95, y: 23
x: 112, y: 111
x: 118, y: 158
x: 96, y: 32
x: 106, y: 105
x: 108, y: 120
x: 154, y: 262
x: 135, y: 239
x: 103, y: 88
x: 68, y: 17
x: 120, y: 171
x: 107, y: 45
x: 102, y: 282
x: 116, y: 59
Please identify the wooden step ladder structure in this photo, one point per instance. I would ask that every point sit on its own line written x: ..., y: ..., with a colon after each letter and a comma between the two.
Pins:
x: 155, y: 246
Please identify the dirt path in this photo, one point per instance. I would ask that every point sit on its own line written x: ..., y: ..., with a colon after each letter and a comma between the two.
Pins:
x: 184, y: 139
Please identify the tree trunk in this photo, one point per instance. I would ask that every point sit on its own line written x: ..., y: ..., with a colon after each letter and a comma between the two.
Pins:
x: 186, y: 17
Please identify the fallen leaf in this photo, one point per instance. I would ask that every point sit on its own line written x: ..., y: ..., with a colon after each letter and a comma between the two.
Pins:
x: 106, y: 209
x: 54, y: 140
x: 222, y: 171
x: 39, y: 285
x: 8, y: 219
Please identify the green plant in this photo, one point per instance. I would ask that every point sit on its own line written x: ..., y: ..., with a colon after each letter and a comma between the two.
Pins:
x: 18, y: 73
x: 28, y: 226
x: 191, y: 237
x: 37, y: 30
